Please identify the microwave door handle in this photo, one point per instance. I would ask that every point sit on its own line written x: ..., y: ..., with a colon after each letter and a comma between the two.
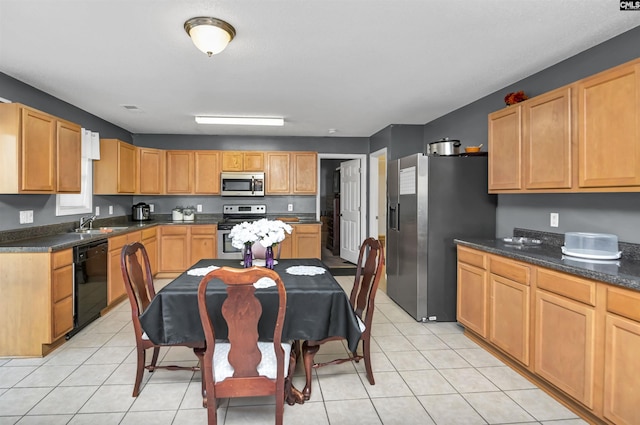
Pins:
x: 253, y: 185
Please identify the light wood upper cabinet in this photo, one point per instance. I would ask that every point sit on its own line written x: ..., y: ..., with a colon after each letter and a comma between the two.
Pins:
x: 584, y: 137
x: 278, y: 173
x: 39, y: 153
x: 291, y: 173
x: 117, y: 170
x: 151, y: 166
x: 242, y: 161
x: 207, y: 172
x: 68, y: 150
x: 609, y: 132
x: 505, y: 141
x: 180, y: 172
x: 304, y: 173
x: 547, y: 140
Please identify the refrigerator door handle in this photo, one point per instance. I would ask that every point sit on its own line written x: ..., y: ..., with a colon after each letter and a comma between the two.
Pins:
x: 398, y: 217
x: 393, y: 217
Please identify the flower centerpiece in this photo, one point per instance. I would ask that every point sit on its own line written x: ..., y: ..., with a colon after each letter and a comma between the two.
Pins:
x: 267, y: 232
x: 242, y: 237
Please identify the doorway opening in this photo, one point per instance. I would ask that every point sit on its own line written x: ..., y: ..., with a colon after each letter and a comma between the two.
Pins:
x: 342, y: 235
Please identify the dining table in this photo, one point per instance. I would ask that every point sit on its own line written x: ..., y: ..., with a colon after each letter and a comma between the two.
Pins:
x: 317, y: 308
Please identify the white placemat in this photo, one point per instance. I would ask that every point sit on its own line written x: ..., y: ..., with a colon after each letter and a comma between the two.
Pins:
x: 264, y: 282
x: 305, y: 270
x: 201, y: 271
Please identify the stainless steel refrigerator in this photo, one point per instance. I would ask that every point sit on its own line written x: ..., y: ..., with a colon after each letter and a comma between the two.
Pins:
x: 433, y: 200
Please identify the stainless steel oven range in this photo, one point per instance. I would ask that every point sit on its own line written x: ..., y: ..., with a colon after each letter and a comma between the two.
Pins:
x: 232, y: 215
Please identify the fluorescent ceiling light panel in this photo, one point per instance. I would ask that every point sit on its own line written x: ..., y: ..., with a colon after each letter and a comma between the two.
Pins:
x: 240, y: 121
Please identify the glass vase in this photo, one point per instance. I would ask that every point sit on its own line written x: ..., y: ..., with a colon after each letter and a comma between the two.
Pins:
x: 268, y: 258
x: 248, y: 256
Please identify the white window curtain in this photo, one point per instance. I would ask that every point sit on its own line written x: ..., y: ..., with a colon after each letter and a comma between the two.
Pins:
x: 82, y: 203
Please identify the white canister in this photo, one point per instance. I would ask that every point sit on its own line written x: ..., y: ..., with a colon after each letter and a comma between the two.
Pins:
x: 177, y: 215
x: 189, y: 216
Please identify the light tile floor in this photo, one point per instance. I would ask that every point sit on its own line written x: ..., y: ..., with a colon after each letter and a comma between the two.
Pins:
x: 425, y: 374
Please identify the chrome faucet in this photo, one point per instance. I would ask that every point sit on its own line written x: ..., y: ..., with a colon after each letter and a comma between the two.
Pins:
x: 87, y: 220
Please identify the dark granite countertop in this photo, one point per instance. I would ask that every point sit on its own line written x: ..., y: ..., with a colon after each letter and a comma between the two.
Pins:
x: 624, y: 272
x: 61, y: 236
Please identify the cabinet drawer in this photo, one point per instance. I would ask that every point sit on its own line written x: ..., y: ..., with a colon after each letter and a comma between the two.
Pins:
x: 117, y: 242
x: 174, y: 230
x: 149, y: 233
x: 134, y: 237
x: 61, y: 258
x: 62, y: 317
x: 472, y: 257
x: 624, y: 303
x: 510, y: 269
x: 203, y: 230
x: 62, y: 283
x: 566, y: 285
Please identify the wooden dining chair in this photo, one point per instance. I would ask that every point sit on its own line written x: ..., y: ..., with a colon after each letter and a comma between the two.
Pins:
x: 138, y: 282
x: 242, y: 365
x: 368, y: 272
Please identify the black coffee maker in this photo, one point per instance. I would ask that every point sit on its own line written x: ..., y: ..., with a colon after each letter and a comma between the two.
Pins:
x: 141, y: 212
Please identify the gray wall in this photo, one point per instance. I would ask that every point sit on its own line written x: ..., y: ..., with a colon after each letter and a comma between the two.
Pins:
x: 610, y: 213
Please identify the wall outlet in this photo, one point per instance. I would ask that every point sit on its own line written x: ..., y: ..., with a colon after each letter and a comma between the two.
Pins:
x: 26, y: 217
x: 554, y: 219
x: 97, y: 211
x: 199, y: 208
x: 289, y: 207
x: 150, y: 207
x: 110, y: 209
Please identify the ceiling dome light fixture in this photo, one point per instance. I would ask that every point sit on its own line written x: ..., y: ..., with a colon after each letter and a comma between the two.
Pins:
x: 210, y: 35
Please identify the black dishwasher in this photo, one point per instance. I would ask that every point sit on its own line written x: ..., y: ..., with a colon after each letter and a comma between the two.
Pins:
x: 89, y: 283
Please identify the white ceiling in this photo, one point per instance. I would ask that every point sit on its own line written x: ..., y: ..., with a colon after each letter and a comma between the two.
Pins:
x: 351, y: 65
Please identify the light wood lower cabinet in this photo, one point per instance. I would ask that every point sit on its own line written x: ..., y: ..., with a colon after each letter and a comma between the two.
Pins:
x: 473, y: 296
x: 582, y: 336
x: 509, y: 317
x: 304, y: 242
x: 116, y: 290
x: 183, y: 245
x: 36, y: 300
x: 203, y: 243
x: 621, y: 364
x: 150, y: 242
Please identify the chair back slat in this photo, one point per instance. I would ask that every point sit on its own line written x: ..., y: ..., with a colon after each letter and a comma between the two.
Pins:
x: 242, y: 311
x: 368, y: 272
x: 138, y: 280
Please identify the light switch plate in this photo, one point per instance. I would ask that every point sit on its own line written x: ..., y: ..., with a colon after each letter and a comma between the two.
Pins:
x: 110, y: 209
x: 199, y: 208
x: 289, y: 207
x: 554, y: 219
x: 97, y: 210
x: 151, y: 208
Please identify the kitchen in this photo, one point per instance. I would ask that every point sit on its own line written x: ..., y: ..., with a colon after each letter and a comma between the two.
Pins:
x: 614, y: 212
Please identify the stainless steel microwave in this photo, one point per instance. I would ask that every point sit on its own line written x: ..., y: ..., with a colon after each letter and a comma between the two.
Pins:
x: 242, y: 184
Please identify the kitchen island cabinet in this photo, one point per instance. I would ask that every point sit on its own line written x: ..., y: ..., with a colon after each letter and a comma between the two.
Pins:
x: 39, y: 153
x: 36, y: 302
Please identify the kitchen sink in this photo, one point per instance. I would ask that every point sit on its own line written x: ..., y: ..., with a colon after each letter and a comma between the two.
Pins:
x: 100, y: 230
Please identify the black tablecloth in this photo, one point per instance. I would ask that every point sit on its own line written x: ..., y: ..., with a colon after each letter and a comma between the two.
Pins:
x: 317, y: 307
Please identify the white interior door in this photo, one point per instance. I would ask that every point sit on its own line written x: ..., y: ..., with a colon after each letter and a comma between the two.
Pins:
x: 350, y: 238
